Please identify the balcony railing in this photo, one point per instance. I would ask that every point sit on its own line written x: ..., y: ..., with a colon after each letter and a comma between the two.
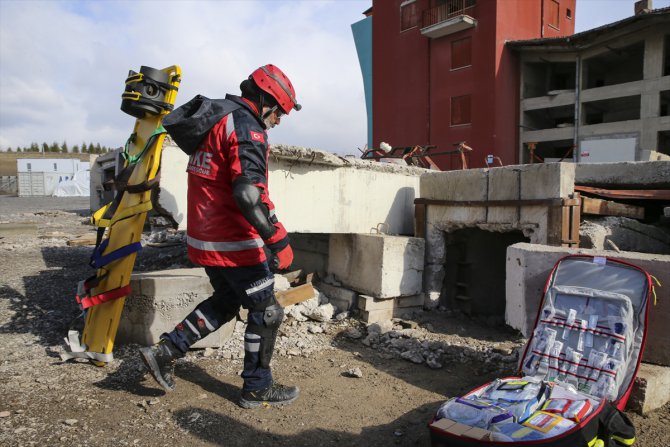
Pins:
x: 448, y: 10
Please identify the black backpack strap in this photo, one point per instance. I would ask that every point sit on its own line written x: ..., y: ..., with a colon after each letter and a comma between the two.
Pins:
x: 616, y: 429
x: 189, y: 124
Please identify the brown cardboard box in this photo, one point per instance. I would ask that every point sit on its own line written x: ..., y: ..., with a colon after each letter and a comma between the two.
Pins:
x: 443, y: 424
x: 477, y: 433
x: 458, y: 429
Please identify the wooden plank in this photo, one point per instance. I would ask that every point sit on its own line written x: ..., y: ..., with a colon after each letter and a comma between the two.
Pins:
x: 608, y: 208
x: 86, y: 239
x: 576, y: 218
x: 295, y: 295
x: 420, y: 220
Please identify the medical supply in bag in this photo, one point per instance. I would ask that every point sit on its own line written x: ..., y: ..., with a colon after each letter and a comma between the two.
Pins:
x: 575, y: 410
x: 516, y: 432
x: 548, y: 424
x: 474, y: 412
x: 578, y: 366
x: 521, y: 397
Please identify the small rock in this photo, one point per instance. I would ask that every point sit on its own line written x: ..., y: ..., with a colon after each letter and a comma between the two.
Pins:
x: 433, y: 364
x: 208, y: 352
x: 323, y: 312
x: 354, y: 372
x: 314, y: 329
x: 154, y: 401
x: 354, y: 333
x: 70, y: 422
x: 4, y: 414
x: 193, y: 417
x: 342, y: 316
x: 412, y: 356
x: 397, y: 432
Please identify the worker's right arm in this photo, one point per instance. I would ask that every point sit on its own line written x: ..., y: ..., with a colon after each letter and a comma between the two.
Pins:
x: 249, y: 174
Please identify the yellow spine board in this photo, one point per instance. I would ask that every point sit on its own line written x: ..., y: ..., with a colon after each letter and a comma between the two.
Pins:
x: 102, y: 321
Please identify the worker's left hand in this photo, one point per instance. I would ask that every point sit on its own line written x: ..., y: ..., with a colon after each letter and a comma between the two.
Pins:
x: 282, y: 259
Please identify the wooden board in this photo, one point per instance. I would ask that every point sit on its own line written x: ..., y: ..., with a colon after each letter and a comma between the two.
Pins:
x: 295, y: 295
x: 608, y: 208
x: 86, y: 239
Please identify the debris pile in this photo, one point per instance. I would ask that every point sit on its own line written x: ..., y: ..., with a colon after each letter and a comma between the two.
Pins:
x: 311, y: 327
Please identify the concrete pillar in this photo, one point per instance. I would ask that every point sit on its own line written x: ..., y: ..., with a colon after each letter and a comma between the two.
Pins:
x: 650, y: 102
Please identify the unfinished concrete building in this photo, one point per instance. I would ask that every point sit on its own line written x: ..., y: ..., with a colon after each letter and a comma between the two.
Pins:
x: 602, y: 95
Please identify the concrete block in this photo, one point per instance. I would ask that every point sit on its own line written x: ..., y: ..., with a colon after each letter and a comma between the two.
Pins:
x: 374, y: 316
x: 360, y: 194
x: 651, y: 389
x: 469, y: 184
x: 503, y: 184
x: 162, y: 299
x: 379, y: 265
x: 340, y: 297
x: 546, y: 180
x: 628, y: 174
x: 528, y: 266
x: 371, y: 303
x: 310, y: 251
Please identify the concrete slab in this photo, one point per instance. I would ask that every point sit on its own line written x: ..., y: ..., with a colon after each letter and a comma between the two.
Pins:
x: 317, y: 192
x: 375, y: 316
x: 624, y: 175
x: 160, y: 300
x: 651, y: 389
x: 18, y: 228
x: 379, y: 265
x: 528, y: 266
x: 371, y: 303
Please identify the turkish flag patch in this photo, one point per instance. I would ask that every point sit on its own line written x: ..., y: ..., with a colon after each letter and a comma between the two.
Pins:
x: 257, y: 136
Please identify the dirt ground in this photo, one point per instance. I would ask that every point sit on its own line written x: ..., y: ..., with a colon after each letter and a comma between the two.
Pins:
x: 44, y: 401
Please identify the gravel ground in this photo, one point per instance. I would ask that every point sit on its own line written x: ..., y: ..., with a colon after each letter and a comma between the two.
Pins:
x: 360, y: 387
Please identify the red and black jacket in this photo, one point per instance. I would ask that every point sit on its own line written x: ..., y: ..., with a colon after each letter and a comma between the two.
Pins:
x: 218, y: 233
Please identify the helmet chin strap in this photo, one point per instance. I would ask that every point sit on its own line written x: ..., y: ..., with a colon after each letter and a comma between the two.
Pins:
x: 266, y: 118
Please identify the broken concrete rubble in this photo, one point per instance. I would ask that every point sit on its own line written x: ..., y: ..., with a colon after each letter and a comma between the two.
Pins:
x: 624, y: 234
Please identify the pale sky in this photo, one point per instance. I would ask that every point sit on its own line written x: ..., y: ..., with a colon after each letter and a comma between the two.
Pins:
x: 63, y: 63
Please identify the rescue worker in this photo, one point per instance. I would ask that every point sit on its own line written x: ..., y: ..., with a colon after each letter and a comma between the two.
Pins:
x: 230, y: 219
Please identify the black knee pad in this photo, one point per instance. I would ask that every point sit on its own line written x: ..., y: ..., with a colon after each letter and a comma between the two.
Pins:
x: 273, y: 315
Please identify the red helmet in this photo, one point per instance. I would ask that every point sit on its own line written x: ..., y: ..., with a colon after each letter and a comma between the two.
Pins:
x: 273, y: 81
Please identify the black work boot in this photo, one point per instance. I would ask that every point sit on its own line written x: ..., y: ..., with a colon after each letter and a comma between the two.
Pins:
x: 160, y: 359
x: 275, y: 395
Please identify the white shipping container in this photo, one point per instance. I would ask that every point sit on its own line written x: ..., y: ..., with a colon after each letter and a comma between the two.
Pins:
x: 38, y: 183
x: 62, y: 165
x: 41, y: 176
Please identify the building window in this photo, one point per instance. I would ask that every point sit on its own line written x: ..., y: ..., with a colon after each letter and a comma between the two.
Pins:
x: 461, y: 51
x: 554, y: 7
x: 55, y: 167
x: 409, y: 16
x: 460, y: 110
x: 568, y: 13
x: 29, y: 167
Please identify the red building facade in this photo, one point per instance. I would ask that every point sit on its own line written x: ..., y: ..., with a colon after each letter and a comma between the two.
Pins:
x: 442, y: 75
